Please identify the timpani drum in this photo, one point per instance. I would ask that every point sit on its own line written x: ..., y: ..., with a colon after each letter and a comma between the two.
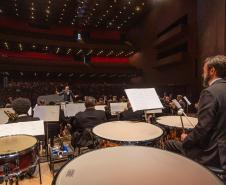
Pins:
x: 133, y: 165
x: 173, y: 126
x: 127, y: 133
x: 18, y: 153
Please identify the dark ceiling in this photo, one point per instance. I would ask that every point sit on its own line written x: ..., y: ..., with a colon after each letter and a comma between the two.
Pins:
x: 53, y: 27
x: 81, y: 14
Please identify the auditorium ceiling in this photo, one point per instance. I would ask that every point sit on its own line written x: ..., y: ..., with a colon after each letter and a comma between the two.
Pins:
x: 69, y: 30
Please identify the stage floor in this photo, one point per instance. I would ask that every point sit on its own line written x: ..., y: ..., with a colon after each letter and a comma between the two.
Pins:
x: 47, y: 177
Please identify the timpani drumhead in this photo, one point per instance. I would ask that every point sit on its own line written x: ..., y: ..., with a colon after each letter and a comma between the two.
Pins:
x: 16, y: 143
x: 127, y: 131
x: 134, y: 165
x: 175, y: 121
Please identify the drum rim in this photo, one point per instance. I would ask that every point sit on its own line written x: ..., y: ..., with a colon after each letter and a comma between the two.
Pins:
x: 18, y: 153
x: 130, y: 142
x: 208, y: 170
x: 168, y: 126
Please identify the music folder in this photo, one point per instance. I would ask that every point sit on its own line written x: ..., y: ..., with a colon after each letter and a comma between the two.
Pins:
x: 34, y: 128
x: 143, y: 99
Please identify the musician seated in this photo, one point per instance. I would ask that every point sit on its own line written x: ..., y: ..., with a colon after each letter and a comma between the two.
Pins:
x: 181, y: 101
x: 90, y: 117
x: 86, y: 120
x: 129, y: 115
x: 167, y: 105
x: 21, y: 107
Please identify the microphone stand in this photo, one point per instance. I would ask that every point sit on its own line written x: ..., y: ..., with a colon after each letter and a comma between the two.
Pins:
x: 182, y: 123
x: 180, y: 113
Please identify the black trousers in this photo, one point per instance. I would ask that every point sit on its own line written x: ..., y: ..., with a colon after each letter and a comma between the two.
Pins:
x: 174, y: 146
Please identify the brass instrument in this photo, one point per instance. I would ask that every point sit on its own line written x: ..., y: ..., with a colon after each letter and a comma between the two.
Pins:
x: 12, y: 116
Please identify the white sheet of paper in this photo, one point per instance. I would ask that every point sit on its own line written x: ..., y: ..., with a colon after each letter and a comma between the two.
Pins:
x: 3, y: 117
x: 186, y: 99
x: 143, y: 99
x: 73, y: 108
x: 117, y: 107
x: 47, y: 112
x: 176, y: 103
x: 34, y: 128
x: 100, y: 107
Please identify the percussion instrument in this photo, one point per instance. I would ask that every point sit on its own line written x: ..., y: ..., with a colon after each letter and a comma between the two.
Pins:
x: 173, y: 125
x: 18, y: 153
x: 133, y: 165
x: 126, y: 133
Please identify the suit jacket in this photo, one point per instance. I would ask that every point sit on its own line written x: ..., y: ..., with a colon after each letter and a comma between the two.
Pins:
x: 207, y: 141
x: 88, y: 119
x: 68, y: 96
x: 23, y: 119
x: 130, y: 115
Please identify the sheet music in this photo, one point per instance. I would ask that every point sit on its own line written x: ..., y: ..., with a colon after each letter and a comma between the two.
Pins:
x: 117, y: 107
x: 176, y: 103
x: 143, y: 99
x: 186, y: 99
x: 73, y: 108
x: 47, y: 112
x: 34, y: 128
x: 100, y: 107
x: 3, y: 117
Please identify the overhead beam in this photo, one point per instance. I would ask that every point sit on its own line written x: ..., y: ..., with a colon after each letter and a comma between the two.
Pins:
x: 66, y: 44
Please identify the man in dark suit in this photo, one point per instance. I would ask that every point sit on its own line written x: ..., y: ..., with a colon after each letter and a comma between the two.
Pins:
x: 130, y: 115
x: 84, y: 121
x: 21, y: 107
x: 90, y: 117
x: 207, y: 141
x: 68, y: 94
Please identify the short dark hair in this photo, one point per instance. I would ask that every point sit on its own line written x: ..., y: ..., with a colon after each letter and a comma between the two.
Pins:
x: 21, y: 105
x: 218, y: 62
x: 90, y: 102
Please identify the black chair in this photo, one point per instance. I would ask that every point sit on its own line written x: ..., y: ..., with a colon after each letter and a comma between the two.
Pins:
x: 221, y: 173
x: 84, y: 141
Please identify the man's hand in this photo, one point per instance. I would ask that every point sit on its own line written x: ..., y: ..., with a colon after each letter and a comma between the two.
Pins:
x: 183, y: 136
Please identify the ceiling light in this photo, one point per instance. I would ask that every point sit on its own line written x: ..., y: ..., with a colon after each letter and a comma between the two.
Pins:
x: 6, y: 45
x: 58, y: 49
x: 79, y: 51
x: 89, y: 52
x: 69, y: 50
x: 137, y: 8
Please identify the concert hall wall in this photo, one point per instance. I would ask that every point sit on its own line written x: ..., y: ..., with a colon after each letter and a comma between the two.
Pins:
x: 203, y: 34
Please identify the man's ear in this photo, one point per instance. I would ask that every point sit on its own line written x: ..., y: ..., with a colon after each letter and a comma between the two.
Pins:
x: 212, y: 71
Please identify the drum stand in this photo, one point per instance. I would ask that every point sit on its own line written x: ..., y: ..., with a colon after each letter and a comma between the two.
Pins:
x: 8, y: 177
